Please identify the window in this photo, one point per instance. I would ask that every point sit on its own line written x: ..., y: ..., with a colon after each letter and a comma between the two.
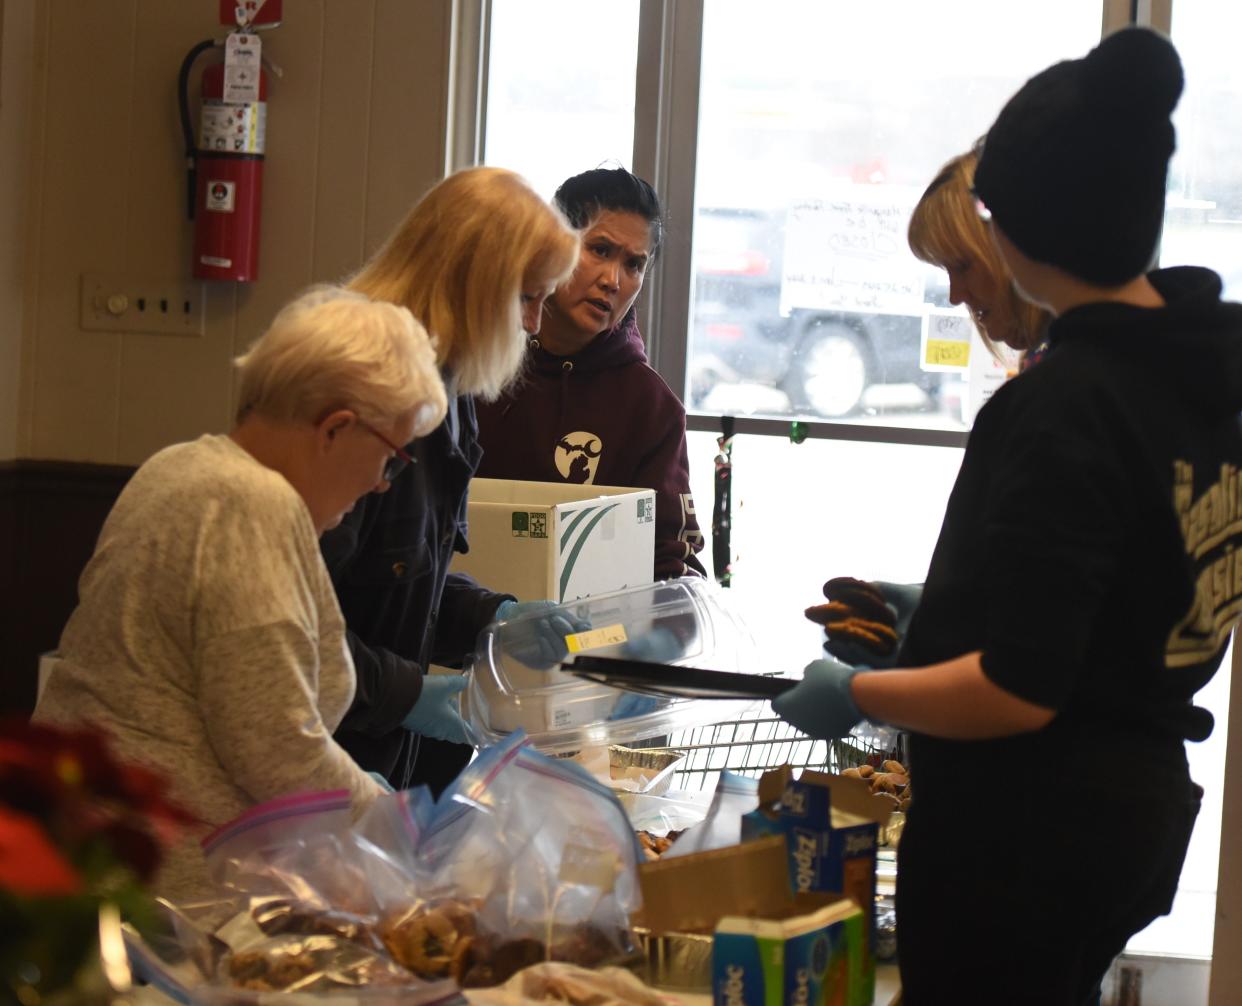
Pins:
x: 560, y: 87
x: 819, y: 127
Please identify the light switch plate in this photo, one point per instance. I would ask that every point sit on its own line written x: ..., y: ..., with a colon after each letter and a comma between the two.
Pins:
x: 126, y: 304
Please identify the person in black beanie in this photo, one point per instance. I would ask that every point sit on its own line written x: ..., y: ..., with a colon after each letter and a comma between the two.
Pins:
x: 1052, y: 803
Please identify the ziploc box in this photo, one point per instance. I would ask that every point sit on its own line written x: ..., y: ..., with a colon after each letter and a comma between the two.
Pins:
x: 809, y: 959
x: 831, y: 826
x: 553, y: 540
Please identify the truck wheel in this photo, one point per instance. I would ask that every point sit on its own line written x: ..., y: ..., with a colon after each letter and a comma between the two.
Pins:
x: 832, y: 370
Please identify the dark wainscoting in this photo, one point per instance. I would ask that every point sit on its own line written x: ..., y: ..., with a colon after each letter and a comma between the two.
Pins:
x: 50, y: 516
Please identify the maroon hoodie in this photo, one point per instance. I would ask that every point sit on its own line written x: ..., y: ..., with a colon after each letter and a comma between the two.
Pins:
x: 602, y: 417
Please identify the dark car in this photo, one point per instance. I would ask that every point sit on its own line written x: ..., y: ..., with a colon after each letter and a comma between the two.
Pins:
x: 823, y: 361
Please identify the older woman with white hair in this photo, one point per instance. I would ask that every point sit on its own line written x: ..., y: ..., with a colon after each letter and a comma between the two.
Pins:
x: 208, y: 641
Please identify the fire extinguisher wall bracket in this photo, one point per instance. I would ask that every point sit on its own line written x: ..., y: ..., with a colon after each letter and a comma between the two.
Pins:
x: 224, y: 174
x: 251, y: 15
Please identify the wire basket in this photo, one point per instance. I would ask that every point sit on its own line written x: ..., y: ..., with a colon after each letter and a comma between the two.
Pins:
x: 753, y: 744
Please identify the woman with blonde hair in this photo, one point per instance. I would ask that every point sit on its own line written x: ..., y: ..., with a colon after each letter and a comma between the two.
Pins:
x: 474, y: 260
x: 207, y: 641
x: 946, y: 231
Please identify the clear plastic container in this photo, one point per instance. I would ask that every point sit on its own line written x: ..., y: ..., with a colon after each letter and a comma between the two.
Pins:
x: 513, y: 686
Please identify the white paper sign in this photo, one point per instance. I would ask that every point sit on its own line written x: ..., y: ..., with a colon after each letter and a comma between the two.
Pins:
x: 242, y: 57
x: 947, y: 341
x: 847, y: 251
x: 951, y: 344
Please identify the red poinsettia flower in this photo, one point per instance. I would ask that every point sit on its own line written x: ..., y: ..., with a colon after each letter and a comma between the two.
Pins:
x: 70, y: 782
x: 29, y: 864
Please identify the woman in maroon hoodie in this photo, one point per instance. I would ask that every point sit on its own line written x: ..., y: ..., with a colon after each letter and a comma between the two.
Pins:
x: 590, y: 409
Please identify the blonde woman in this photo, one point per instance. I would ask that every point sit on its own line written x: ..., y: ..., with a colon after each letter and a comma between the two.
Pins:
x: 207, y: 641
x: 946, y: 231
x: 474, y: 260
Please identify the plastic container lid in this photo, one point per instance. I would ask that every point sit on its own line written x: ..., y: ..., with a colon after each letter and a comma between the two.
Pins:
x: 683, y: 622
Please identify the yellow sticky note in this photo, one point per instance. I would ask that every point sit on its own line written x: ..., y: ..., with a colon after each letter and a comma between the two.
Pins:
x: 947, y: 353
x: 593, y: 639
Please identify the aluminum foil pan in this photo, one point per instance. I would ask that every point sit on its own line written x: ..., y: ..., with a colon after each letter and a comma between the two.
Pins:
x: 677, y: 961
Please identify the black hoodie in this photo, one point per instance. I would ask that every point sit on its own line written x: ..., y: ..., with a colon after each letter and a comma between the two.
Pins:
x: 1087, y: 548
x: 601, y: 416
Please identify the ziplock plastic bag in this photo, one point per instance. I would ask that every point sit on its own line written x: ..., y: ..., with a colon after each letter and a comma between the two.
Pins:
x: 305, y: 850
x: 542, y: 854
x: 195, y: 968
x: 735, y: 795
x: 660, y: 815
x: 394, y: 826
x: 524, y: 859
x: 308, y: 894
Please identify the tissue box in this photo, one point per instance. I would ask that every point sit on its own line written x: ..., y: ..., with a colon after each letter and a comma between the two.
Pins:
x: 812, y: 959
x: 831, y: 826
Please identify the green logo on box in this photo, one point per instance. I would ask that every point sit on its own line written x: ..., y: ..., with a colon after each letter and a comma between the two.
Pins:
x: 521, y: 524
x: 645, y: 508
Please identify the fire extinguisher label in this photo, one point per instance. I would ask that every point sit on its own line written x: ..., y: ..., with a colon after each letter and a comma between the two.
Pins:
x: 242, y: 56
x: 220, y: 196
x: 236, y: 129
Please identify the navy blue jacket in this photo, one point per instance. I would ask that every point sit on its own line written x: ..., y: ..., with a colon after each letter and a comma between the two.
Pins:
x: 389, y: 561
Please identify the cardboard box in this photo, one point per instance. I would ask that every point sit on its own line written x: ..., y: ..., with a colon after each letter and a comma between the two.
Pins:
x: 555, y: 540
x: 831, y: 825
x: 770, y: 946
x: 807, y: 958
x: 688, y: 894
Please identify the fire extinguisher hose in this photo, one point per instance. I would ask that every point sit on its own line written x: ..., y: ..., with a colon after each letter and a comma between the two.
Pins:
x: 187, y: 126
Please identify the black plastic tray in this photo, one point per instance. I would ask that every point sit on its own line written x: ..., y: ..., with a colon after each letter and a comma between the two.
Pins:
x: 676, y: 682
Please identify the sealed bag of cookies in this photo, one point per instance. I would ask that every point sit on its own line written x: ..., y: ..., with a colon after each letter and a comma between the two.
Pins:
x: 544, y: 857
x: 308, y: 892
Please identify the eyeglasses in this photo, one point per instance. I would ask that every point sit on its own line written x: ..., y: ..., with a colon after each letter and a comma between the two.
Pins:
x: 395, y: 465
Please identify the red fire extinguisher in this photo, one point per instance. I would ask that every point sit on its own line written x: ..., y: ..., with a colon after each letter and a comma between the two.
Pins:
x: 225, y: 162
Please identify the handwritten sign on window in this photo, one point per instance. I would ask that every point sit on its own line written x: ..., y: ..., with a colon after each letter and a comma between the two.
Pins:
x: 846, y: 251
x: 946, y: 341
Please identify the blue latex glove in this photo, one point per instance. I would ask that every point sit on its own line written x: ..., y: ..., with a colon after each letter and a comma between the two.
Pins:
x: 539, y: 641
x: 658, y: 646
x: 903, y: 599
x: 820, y: 705
x: 436, y: 713
x: 383, y: 783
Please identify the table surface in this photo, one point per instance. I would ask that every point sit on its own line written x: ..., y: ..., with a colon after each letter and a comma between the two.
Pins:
x: 887, y: 985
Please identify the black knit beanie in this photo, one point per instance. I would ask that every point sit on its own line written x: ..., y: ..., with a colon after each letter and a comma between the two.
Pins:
x: 1073, y: 170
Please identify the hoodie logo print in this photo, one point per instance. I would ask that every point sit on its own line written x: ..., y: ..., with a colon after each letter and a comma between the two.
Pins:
x: 577, y: 457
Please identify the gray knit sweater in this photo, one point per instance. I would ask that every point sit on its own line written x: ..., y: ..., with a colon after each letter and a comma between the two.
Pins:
x: 208, y: 642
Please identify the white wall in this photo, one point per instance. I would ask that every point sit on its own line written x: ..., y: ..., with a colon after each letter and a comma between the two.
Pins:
x: 355, y: 133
